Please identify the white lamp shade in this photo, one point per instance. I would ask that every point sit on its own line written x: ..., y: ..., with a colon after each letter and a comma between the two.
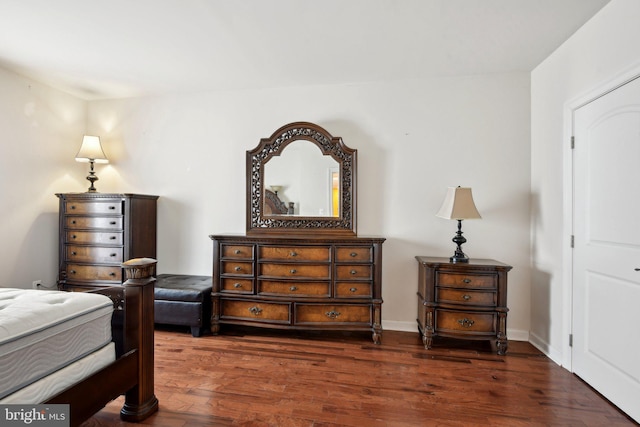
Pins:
x: 91, y: 150
x: 458, y: 204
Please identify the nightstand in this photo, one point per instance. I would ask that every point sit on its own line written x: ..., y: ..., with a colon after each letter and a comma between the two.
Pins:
x: 463, y: 300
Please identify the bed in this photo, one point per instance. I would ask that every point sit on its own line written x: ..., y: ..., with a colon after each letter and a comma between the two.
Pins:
x: 81, y: 349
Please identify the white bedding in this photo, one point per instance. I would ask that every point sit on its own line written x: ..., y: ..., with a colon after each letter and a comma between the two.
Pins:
x: 42, y: 332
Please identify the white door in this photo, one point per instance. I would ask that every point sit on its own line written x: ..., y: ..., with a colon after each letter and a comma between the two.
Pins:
x: 606, y: 267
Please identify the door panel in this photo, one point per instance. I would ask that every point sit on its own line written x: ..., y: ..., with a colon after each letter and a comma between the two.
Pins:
x: 606, y: 286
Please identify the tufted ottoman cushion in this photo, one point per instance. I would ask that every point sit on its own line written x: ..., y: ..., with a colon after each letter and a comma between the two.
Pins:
x: 182, y: 299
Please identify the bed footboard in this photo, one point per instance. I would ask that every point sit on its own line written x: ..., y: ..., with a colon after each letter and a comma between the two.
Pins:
x: 132, y: 373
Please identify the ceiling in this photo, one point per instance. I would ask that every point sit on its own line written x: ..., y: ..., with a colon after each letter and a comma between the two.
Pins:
x: 98, y: 49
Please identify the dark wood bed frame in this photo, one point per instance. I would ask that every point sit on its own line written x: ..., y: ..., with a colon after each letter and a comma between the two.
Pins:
x: 131, y: 373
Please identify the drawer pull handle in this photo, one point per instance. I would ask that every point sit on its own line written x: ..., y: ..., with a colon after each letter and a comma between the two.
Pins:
x: 353, y: 272
x: 255, y: 310
x: 114, y: 255
x: 466, y: 323
x: 353, y: 289
x: 466, y: 280
x: 72, y: 272
x: 74, y: 253
x: 73, y: 207
x: 238, y: 268
x: 73, y: 236
x: 112, y: 208
x: 112, y: 223
x: 112, y: 274
x: 332, y: 314
x: 466, y: 297
x: 636, y: 269
x: 237, y: 285
x: 73, y: 221
x: 293, y: 254
x: 353, y: 254
x: 237, y: 252
x: 293, y: 288
x: 112, y: 237
x: 293, y: 271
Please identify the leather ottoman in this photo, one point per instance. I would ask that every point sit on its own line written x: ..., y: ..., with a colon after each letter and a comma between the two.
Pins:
x: 183, y: 300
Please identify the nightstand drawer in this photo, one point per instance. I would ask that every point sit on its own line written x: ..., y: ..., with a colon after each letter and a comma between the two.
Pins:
x: 466, y: 297
x: 466, y: 280
x: 298, y: 289
x: 354, y: 254
x: 256, y: 311
x: 295, y: 253
x: 93, y: 254
x: 468, y: 322
x: 92, y: 237
x: 112, y: 207
x: 80, y: 222
x: 93, y: 272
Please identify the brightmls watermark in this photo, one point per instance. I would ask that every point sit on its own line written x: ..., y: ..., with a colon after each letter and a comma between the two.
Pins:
x: 34, y: 415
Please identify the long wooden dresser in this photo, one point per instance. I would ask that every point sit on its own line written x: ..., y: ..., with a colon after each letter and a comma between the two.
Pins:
x: 298, y: 283
x: 98, y: 231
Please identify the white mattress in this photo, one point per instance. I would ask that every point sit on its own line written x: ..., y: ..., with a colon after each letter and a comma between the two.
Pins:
x: 44, y: 331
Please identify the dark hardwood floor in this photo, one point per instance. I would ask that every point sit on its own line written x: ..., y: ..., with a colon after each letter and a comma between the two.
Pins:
x: 256, y: 377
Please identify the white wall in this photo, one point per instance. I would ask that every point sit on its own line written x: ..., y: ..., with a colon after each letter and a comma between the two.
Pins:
x: 40, y: 133
x: 414, y: 138
x: 605, y: 47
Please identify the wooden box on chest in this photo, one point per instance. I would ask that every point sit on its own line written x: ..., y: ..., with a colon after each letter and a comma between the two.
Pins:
x: 298, y: 283
x: 98, y: 231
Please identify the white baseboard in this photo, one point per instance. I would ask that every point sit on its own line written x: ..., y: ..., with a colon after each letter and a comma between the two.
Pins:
x: 545, y: 348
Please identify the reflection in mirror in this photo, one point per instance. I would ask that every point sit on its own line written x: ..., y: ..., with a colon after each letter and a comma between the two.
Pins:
x: 303, y: 178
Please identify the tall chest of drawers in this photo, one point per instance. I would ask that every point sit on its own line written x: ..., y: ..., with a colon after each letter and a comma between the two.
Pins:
x: 298, y: 283
x: 98, y: 231
x: 463, y: 300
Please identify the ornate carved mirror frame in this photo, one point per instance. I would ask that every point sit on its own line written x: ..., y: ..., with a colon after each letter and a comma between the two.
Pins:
x: 260, y: 223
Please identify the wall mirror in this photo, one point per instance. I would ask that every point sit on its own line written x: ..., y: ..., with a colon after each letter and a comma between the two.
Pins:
x: 301, y: 180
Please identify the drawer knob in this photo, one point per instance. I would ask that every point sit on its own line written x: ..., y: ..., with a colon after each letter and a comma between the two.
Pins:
x: 466, y: 297
x: 112, y: 274
x: 72, y: 272
x: 466, y: 280
x: 293, y: 271
x: 74, y: 253
x: 113, y: 255
x: 112, y: 208
x: 73, y: 236
x: 466, y: 323
x: 293, y: 288
x: 332, y: 314
x: 353, y: 272
x: 113, y: 223
x: 237, y: 252
x: 73, y: 207
x: 353, y: 254
x: 237, y: 285
x: 353, y: 289
x: 112, y: 237
x: 293, y: 253
x: 73, y: 221
x: 238, y: 268
x: 255, y: 310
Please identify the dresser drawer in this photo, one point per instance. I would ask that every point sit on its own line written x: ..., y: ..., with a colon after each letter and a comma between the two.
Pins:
x: 294, y: 253
x: 346, y: 272
x: 256, y: 311
x: 461, y: 280
x: 237, y: 285
x: 237, y: 267
x: 468, y: 322
x: 294, y: 270
x: 93, y: 237
x: 80, y: 222
x: 94, y: 254
x: 330, y: 313
x: 93, y: 272
x: 297, y: 289
x: 110, y: 207
x: 466, y: 297
x: 237, y: 251
x: 354, y: 254
x: 353, y: 289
